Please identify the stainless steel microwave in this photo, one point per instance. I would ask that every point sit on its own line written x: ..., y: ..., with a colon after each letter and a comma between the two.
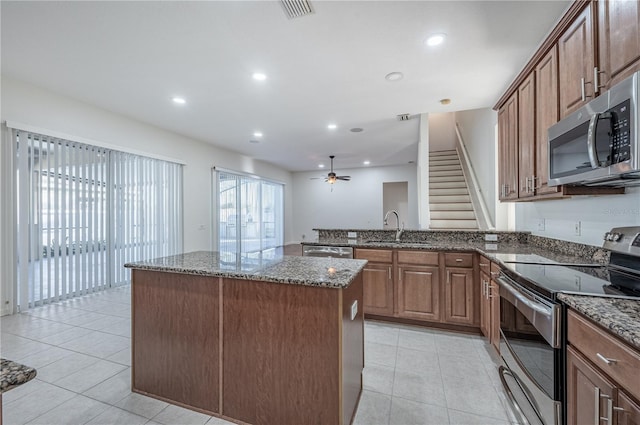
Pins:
x: 597, y: 145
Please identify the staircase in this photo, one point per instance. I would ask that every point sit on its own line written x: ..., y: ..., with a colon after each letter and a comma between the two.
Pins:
x: 449, y: 202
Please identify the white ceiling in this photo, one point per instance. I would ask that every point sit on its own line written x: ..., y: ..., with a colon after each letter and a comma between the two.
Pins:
x: 132, y: 57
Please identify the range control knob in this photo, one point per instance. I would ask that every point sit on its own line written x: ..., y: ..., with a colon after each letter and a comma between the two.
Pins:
x: 606, y: 236
x: 617, y: 237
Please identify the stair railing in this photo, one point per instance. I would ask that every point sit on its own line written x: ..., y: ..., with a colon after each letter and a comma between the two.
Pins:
x: 475, y: 190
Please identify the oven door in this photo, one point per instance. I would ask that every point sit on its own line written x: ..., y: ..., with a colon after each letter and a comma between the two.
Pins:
x: 530, y: 348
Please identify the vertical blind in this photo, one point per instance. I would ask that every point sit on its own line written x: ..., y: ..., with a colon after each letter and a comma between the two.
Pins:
x: 83, y: 211
x: 250, y: 213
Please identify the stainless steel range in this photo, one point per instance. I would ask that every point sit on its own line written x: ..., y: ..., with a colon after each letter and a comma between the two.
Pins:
x: 532, y: 343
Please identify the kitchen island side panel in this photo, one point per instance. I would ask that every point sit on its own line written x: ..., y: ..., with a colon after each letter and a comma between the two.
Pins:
x: 352, y: 347
x: 281, y: 353
x: 175, y: 338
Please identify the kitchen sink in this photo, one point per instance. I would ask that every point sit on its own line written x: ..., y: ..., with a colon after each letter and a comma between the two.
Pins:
x: 398, y: 242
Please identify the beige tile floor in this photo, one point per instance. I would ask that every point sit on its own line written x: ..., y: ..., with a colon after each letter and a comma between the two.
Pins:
x: 81, y: 347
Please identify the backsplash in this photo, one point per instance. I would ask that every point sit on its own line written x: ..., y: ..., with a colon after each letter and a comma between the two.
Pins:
x: 425, y: 235
x: 597, y: 254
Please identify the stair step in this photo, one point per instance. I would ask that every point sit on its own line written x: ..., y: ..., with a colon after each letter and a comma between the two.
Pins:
x: 445, y: 173
x: 444, y: 167
x: 453, y: 224
x: 443, y: 153
x: 448, y: 191
x: 452, y: 206
x: 453, y: 215
x: 436, y: 162
x: 444, y: 199
x: 446, y: 179
x: 447, y: 184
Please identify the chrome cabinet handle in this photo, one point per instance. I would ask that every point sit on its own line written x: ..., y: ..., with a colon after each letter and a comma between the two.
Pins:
x: 448, y: 276
x: 459, y: 260
x: 495, y: 274
x: 583, y: 94
x: 608, y: 361
x: 596, y: 79
x: 400, y: 274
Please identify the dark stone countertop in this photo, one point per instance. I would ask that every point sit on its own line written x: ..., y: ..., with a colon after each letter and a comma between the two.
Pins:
x: 620, y: 316
x: 14, y: 374
x: 266, y: 266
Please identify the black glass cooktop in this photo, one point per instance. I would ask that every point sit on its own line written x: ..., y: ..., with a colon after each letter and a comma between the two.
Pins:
x: 550, y: 279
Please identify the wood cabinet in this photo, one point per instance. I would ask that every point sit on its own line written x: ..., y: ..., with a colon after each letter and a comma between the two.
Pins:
x: 508, y: 149
x: 618, y: 41
x: 378, y: 280
x: 546, y: 115
x: 419, y: 293
x: 527, y: 137
x: 602, y: 382
x: 576, y: 63
x: 458, y: 296
x: 421, y: 285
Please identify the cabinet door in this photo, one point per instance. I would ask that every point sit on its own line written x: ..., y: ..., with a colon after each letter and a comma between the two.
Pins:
x: 485, y: 305
x: 619, y: 40
x: 526, y: 136
x: 628, y: 412
x: 576, y: 63
x: 378, y: 289
x: 508, y: 149
x: 419, y: 293
x: 587, y: 391
x: 494, y: 325
x: 546, y: 115
x: 458, y: 296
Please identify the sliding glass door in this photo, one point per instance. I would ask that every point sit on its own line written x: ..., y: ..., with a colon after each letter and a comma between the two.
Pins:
x: 250, y: 213
x: 83, y: 211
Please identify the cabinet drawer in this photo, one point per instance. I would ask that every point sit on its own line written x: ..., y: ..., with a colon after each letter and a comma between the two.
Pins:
x: 419, y: 258
x: 495, y: 270
x: 598, y: 346
x: 455, y: 259
x: 485, y: 264
x: 375, y: 255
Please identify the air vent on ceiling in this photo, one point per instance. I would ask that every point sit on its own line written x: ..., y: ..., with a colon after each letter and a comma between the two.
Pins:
x: 404, y: 117
x: 296, y: 8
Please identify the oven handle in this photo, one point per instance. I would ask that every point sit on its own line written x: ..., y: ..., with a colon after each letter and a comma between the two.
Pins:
x: 591, y: 141
x: 532, y: 304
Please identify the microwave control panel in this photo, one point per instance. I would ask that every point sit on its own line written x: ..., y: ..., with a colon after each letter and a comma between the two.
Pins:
x: 620, y: 137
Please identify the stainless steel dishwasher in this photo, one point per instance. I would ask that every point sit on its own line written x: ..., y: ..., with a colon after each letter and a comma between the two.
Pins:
x: 327, y: 251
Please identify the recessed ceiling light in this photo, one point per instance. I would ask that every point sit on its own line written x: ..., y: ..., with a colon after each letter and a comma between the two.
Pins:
x: 257, y: 134
x: 259, y: 76
x: 332, y: 126
x: 435, y: 39
x: 320, y: 165
x: 254, y: 141
x: 445, y: 101
x: 394, y: 76
x: 179, y: 100
x: 367, y: 162
x: 356, y: 130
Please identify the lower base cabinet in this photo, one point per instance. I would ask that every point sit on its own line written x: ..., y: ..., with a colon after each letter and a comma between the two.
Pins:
x: 419, y: 293
x: 378, y: 289
x: 458, y: 296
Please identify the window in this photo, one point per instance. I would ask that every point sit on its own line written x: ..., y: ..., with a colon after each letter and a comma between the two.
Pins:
x: 250, y: 213
x: 83, y: 211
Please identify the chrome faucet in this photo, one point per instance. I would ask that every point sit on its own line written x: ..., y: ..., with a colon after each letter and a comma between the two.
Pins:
x: 399, y: 229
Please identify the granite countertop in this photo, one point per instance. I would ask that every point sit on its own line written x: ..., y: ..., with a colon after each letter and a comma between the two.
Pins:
x: 620, y: 316
x: 488, y: 249
x: 14, y: 374
x: 266, y: 266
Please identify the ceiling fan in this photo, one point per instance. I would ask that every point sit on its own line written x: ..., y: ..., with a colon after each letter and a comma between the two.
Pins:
x: 333, y: 177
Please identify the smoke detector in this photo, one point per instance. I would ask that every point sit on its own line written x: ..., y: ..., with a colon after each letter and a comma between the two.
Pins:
x: 296, y: 8
x: 404, y: 117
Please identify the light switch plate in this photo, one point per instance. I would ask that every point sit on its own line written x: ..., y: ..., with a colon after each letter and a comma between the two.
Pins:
x: 352, y: 235
x: 491, y: 246
x: 354, y: 309
x: 491, y: 238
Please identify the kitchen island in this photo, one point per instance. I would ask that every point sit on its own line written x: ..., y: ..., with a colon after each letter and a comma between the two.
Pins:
x: 259, y: 338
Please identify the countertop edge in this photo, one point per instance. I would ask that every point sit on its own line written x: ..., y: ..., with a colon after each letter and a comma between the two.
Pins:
x: 14, y: 374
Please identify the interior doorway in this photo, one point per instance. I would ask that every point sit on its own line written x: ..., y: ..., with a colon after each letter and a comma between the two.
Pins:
x: 395, y: 196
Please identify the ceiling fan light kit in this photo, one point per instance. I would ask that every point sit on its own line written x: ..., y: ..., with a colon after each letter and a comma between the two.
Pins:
x: 333, y: 177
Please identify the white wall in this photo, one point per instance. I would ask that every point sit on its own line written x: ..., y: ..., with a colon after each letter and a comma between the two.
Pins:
x: 356, y: 204
x: 442, y: 134
x: 31, y: 105
x: 395, y: 196
x: 596, y: 214
x: 422, y: 172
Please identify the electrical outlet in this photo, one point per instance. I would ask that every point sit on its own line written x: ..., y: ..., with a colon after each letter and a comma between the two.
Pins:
x: 354, y: 309
x: 578, y: 228
x: 491, y: 238
x: 352, y: 235
x: 541, y: 225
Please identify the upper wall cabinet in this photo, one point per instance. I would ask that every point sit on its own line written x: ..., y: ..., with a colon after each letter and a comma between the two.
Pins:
x: 562, y: 76
x: 576, y: 63
x: 619, y: 41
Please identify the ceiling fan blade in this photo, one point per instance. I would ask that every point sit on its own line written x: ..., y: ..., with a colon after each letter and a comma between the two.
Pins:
x: 345, y: 178
x: 316, y: 178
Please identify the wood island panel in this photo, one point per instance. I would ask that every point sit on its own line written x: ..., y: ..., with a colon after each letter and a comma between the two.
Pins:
x: 175, y: 338
x: 283, y: 350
